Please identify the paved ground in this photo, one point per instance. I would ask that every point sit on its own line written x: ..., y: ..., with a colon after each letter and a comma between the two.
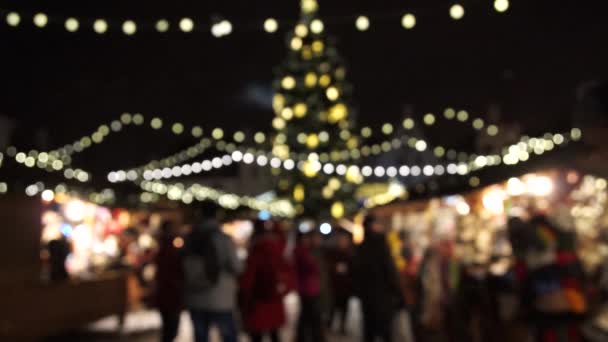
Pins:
x: 143, y: 326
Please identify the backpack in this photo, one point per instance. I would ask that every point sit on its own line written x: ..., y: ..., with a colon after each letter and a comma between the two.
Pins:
x: 201, y: 264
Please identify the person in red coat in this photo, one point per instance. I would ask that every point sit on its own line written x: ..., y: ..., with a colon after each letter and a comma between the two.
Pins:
x: 263, y: 284
x: 169, y: 283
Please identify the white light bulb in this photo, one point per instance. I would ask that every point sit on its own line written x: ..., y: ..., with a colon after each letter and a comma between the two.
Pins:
x: 271, y: 25
x: 186, y: 25
x: 408, y: 21
x: 71, y: 24
x: 362, y: 23
x: 100, y: 26
x: 457, y: 11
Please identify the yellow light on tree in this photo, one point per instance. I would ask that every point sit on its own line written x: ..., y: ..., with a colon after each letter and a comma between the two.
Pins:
x: 309, y: 6
x: 278, y: 123
x: 299, y: 110
x: 288, y: 82
x: 310, y: 80
x: 324, y: 80
x: 301, y: 30
x: 296, y: 43
x: 299, y: 193
x: 337, y: 210
x: 278, y: 102
x: 287, y: 113
x: 310, y: 168
x: 334, y: 183
x: 317, y: 46
x: 337, y: 112
x: 316, y: 26
x: 312, y: 141
x: 332, y: 93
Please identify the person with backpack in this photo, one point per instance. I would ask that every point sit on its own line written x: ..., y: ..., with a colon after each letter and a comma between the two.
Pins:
x: 211, y: 268
x: 264, y: 284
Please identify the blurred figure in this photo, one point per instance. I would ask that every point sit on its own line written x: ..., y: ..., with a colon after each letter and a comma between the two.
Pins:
x: 320, y: 255
x: 169, y: 282
x: 376, y: 283
x: 309, y: 288
x: 340, y: 266
x: 211, y: 268
x: 550, y: 277
x: 264, y: 284
x: 59, y: 249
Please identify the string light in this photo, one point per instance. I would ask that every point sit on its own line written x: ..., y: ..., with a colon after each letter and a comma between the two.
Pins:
x: 71, y: 24
x: 162, y: 26
x: 501, y: 6
x: 456, y: 11
x: 271, y: 25
x: 316, y: 26
x: 40, y: 20
x: 13, y: 19
x: 221, y: 29
x: 362, y: 23
x: 129, y: 27
x: 224, y: 27
x: 408, y: 21
x: 186, y: 25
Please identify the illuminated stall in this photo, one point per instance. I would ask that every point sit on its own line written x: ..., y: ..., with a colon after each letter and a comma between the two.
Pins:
x: 475, y: 222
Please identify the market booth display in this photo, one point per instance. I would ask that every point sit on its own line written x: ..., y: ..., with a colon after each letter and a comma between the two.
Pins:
x: 57, y: 306
x: 504, y: 233
x: 63, y: 252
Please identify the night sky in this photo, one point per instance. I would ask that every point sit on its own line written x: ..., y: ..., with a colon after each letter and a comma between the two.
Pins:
x: 528, y: 62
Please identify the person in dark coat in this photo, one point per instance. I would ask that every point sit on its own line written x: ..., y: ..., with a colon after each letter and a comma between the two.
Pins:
x: 263, y: 285
x: 308, y: 272
x: 59, y: 249
x: 169, y: 282
x: 376, y: 283
x: 340, y: 266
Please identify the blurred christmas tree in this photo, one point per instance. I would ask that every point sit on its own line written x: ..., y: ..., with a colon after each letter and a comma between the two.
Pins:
x: 313, y: 122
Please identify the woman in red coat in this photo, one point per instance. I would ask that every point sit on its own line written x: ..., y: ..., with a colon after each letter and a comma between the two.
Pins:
x: 264, y: 284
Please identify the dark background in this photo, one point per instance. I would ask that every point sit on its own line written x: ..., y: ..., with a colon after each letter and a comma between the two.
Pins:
x: 529, y: 62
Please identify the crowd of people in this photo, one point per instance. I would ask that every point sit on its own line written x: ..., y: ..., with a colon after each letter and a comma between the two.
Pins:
x: 542, y: 295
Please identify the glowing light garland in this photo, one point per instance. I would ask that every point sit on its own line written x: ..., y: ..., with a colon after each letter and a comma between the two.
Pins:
x: 190, y: 193
x: 187, y: 25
